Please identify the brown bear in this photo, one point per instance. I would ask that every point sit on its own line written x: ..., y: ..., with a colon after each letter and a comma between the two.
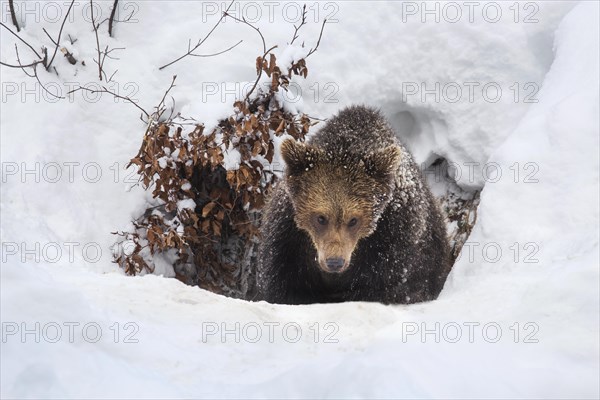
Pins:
x: 352, y: 220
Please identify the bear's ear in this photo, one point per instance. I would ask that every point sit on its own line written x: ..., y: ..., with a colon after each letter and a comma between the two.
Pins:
x: 382, y: 165
x: 298, y: 156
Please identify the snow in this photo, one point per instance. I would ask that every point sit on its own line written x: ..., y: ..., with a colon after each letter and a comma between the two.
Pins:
x: 464, y: 126
x: 64, y: 189
x: 232, y: 158
x: 186, y: 204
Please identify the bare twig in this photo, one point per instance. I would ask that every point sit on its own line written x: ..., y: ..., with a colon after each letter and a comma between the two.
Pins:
x: 302, y: 23
x: 59, y: 34
x: 104, y: 55
x: 13, y: 16
x: 49, y: 37
x: 42, y: 85
x: 317, y: 119
x: 116, y: 20
x: 21, y: 66
x: 160, y: 108
x: 34, y: 74
x: 149, y: 117
x: 265, y: 51
x: 19, y: 37
x: 97, y: 42
x: 318, y: 41
x: 105, y: 90
x: 113, y: 74
x: 112, y: 18
x: 243, y: 20
x: 216, y: 54
x: 200, y: 42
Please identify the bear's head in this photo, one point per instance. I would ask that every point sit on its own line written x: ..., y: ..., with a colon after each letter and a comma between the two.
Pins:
x: 338, y: 198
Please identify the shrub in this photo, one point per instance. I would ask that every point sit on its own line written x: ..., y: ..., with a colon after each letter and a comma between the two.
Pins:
x: 206, y: 214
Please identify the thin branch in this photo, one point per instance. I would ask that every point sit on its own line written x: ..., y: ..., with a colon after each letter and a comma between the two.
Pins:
x: 243, y: 20
x: 21, y: 66
x: 19, y: 37
x: 102, y: 55
x: 113, y: 74
x: 318, y: 41
x: 154, y: 117
x: 32, y: 75
x: 97, y: 42
x: 219, y: 53
x: 105, y: 90
x: 116, y: 20
x: 59, y: 34
x: 42, y: 85
x: 35, y: 74
x: 302, y: 23
x: 13, y: 16
x: 49, y: 37
x: 265, y: 51
x: 107, y: 52
x: 112, y: 18
x: 317, y: 119
x: 260, y: 71
x: 200, y: 42
x: 160, y: 106
x: 105, y: 55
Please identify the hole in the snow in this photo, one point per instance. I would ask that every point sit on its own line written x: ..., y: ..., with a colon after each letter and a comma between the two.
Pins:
x: 406, y: 123
x: 459, y: 204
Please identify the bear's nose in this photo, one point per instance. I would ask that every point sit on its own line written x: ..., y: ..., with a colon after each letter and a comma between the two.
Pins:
x: 335, y: 264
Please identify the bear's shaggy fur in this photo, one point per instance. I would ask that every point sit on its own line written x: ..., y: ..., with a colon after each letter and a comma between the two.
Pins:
x: 352, y: 220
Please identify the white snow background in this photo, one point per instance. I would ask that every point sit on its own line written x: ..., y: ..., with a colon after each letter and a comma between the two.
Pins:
x: 523, y: 323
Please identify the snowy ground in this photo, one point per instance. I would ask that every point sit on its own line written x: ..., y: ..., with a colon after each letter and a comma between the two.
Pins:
x: 519, y: 316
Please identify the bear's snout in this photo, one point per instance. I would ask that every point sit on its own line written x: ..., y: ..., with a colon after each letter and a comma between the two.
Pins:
x: 335, y: 264
x: 334, y: 255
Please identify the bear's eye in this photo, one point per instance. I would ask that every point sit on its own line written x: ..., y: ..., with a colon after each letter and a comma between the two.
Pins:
x: 352, y: 222
x: 322, y: 220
